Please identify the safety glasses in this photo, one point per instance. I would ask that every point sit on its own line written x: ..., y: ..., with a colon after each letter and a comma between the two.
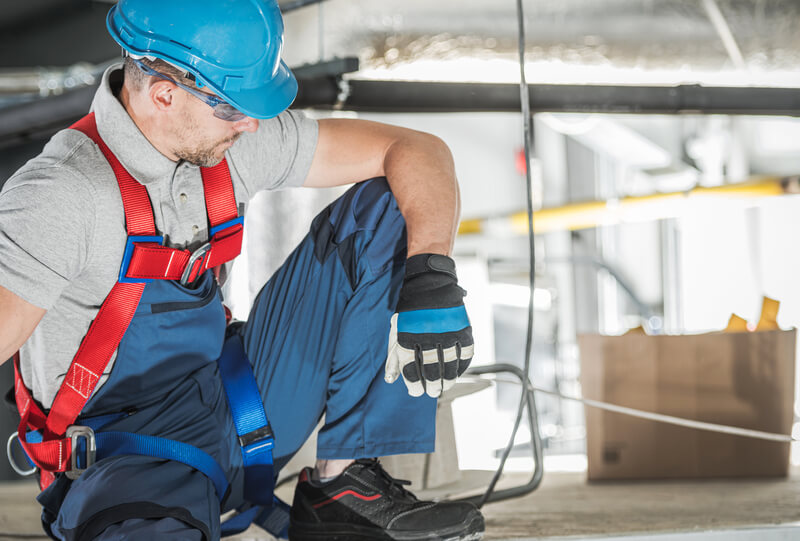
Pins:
x: 222, y: 109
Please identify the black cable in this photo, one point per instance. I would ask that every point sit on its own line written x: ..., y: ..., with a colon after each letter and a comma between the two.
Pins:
x: 526, y: 113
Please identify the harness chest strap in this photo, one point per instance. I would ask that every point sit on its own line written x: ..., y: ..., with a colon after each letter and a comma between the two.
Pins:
x: 54, y: 453
x: 150, y: 261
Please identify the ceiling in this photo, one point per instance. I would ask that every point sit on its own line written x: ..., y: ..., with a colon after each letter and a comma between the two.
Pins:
x: 642, y: 34
x: 645, y: 35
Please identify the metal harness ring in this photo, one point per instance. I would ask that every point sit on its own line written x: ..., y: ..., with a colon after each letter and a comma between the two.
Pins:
x: 12, y: 462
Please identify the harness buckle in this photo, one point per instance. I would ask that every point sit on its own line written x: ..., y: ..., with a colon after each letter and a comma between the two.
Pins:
x: 130, y: 245
x: 75, y: 433
x: 198, y: 255
x: 257, y: 436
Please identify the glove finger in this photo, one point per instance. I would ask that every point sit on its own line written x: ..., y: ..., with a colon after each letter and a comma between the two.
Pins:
x: 465, y: 357
x: 392, y: 360
x: 392, y: 371
x: 432, y: 372
x: 412, y: 374
x: 450, y: 365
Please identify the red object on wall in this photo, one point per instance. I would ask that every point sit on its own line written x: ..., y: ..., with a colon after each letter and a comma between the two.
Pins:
x: 519, y: 161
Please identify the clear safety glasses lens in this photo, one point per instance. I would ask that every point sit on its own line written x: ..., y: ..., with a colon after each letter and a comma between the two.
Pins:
x: 226, y: 111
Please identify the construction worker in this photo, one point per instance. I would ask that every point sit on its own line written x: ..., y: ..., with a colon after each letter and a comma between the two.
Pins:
x: 146, y: 414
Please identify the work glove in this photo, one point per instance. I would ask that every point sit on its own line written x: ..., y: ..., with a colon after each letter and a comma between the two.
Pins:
x: 430, y: 341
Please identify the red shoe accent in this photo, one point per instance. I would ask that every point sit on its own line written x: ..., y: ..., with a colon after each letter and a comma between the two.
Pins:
x: 345, y: 493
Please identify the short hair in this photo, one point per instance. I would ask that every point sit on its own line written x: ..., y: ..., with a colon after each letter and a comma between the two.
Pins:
x: 137, y: 79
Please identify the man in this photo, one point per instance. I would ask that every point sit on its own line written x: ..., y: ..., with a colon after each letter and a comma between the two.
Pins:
x: 174, y: 142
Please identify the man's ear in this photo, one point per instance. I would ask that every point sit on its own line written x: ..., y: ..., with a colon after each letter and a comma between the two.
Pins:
x: 162, y: 95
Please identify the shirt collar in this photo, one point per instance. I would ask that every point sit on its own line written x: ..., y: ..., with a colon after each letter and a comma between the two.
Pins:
x: 120, y: 133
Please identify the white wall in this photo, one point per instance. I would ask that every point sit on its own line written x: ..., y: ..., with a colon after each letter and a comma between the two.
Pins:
x: 484, y: 147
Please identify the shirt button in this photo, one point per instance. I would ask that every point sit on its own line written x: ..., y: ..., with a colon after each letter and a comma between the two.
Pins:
x: 195, y: 230
x: 183, y: 198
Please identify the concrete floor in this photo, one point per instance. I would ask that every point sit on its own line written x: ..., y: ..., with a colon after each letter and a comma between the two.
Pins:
x: 565, y: 506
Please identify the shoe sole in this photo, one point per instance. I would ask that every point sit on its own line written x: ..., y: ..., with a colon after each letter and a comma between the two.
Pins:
x: 348, y: 532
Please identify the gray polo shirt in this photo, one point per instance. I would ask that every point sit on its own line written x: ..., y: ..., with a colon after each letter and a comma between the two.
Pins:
x: 62, y: 224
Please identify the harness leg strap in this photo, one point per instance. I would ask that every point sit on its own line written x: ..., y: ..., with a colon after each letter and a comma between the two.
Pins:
x: 255, y: 434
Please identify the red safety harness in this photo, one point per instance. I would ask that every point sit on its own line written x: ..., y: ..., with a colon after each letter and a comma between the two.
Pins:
x: 145, y: 259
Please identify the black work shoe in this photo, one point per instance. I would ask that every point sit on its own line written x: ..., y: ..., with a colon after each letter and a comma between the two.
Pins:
x: 366, y: 503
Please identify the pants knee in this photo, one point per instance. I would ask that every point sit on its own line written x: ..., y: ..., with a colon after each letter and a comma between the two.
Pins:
x: 365, y: 227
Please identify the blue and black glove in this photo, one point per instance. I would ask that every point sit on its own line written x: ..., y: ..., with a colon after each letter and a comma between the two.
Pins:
x: 431, y: 339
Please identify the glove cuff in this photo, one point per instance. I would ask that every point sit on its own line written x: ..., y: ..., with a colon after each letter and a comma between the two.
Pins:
x: 423, y: 263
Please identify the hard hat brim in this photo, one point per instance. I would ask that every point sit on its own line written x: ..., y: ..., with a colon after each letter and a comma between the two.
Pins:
x: 266, y: 101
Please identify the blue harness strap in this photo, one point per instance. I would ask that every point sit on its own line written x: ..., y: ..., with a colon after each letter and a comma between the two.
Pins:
x: 252, y: 427
x: 128, y: 443
x: 114, y: 443
x: 274, y: 519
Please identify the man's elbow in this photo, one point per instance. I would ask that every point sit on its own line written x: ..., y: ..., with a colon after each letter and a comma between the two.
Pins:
x: 436, y: 145
x: 432, y: 149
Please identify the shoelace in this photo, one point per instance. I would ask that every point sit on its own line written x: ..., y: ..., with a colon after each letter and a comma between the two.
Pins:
x: 395, y: 485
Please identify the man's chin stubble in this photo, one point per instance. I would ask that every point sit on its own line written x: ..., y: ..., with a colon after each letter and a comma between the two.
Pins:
x: 207, y: 157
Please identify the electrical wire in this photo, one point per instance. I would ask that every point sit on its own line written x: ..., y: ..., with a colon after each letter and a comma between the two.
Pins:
x: 526, y: 118
x: 659, y: 417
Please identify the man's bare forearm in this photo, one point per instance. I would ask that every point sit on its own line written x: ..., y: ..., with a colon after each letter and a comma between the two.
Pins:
x: 421, y: 173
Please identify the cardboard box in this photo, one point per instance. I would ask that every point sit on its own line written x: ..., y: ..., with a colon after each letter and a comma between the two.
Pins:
x: 743, y: 379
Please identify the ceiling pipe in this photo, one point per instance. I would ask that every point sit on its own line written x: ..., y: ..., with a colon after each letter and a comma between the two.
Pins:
x: 429, y: 97
x: 41, y: 118
x: 19, y: 122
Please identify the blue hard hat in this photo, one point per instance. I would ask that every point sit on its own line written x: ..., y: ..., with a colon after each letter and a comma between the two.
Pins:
x: 231, y: 46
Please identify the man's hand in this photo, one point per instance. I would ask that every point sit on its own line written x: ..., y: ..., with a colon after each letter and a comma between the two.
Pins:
x: 431, y: 338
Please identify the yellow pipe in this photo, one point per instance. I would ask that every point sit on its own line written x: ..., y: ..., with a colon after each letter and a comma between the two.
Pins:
x: 651, y: 207
x: 467, y: 227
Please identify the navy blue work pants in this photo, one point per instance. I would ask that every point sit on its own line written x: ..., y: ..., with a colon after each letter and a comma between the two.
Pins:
x: 318, y: 331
